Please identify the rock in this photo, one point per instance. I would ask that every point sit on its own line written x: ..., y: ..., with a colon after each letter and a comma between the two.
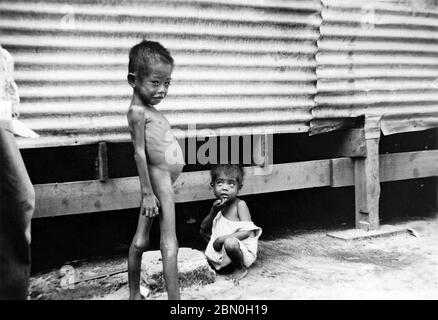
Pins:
x: 193, y: 269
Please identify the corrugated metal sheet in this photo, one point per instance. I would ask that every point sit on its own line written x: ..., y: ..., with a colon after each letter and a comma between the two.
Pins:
x: 378, y: 58
x: 242, y: 66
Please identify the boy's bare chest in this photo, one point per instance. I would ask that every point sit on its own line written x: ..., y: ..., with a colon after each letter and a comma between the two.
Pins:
x: 156, y: 121
x: 231, y: 214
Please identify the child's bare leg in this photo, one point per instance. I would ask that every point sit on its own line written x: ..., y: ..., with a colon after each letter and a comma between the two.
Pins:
x: 232, y: 248
x: 162, y: 183
x: 139, y: 244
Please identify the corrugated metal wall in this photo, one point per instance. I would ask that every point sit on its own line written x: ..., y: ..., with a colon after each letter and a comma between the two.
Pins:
x: 244, y: 66
x: 378, y: 58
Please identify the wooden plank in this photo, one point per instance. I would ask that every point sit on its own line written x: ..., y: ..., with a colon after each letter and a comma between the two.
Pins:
x: 342, y: 173
x: 408, y: 165
x: 56, y: 199
x: 392, y: 167
x: 288, y: 176
x: 194, y: 186
x: 123, y: 193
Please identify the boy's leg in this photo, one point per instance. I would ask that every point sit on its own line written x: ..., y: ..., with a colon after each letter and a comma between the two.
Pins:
x: 232, y: 248
x: 17, y: 202
x: 234, y: 252
x: 139, y: 244
x: 162, y: 184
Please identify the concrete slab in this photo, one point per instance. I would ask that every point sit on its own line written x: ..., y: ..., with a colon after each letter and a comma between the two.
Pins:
x: 193, y: 269
x: 359, y: 234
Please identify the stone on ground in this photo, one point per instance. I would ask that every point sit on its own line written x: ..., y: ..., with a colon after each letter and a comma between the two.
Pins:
x: 193, y: 269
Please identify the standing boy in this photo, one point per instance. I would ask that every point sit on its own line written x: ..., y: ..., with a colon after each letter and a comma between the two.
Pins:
x: 159, y: 161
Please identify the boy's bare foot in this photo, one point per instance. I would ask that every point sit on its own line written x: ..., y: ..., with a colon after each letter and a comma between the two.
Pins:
x: 137, y: 297
x: 144, y: 292
x: 238, y: 275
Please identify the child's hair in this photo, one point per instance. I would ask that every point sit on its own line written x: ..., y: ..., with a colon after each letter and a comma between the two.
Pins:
x: 145, y: 53
x: 230, y: 170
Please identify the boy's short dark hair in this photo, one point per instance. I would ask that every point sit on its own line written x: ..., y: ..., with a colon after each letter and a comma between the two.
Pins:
x: 145, y: 53
x: 233, y: 170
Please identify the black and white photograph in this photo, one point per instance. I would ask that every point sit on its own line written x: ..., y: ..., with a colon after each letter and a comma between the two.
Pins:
x: 232, y: 151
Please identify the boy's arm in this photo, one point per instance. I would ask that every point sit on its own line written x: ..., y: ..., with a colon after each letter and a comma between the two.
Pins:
x: 207, y: 222
x: 136, y: 121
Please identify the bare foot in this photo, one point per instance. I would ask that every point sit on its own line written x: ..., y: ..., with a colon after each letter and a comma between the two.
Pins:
x: 238, y: 275
x: 140, y: 295
x: 137, y: 297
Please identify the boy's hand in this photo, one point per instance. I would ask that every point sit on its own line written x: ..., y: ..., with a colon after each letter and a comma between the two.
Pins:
x: 149, y: 205
x: 218, y: 204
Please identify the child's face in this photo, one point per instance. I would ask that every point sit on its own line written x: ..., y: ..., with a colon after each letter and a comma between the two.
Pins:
x: 153, y: 88
x: 225, y: 187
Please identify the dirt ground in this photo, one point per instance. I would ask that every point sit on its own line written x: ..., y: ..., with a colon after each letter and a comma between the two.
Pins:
x: 308, y: 265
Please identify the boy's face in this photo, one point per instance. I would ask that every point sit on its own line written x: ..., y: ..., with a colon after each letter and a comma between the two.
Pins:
x: 153, y: 88
x: 225, y: 187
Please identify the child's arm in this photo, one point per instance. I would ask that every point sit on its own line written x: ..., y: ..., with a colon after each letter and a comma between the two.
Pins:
x: 207, y: 222
x: 244, y: 215
x: 136, y: 121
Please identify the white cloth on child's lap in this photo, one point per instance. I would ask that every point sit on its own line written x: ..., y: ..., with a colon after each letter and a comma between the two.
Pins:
x: 223, y: 226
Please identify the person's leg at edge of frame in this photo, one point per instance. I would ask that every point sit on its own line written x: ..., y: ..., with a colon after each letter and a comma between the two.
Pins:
x: 140, y: 243
x: 17, y: 203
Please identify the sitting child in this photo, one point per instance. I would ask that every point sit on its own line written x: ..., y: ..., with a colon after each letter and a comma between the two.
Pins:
x: 231, y: 235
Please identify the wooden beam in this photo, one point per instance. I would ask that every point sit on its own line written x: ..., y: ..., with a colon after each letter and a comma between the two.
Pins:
x: 392, y: 167
x: 341, y: 173
x: 55, y: 199
x: 123, y: 193
x: 408, y: 165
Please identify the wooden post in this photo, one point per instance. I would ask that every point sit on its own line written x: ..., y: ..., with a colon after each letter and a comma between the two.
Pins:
x: 366, y: 178
x: 102, y: 162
